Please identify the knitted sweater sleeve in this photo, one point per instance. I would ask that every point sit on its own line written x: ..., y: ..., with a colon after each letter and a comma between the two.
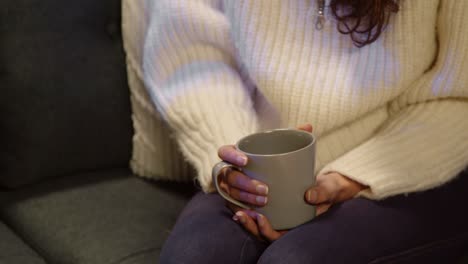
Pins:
x: 193, y: 79
x: 424, y: 143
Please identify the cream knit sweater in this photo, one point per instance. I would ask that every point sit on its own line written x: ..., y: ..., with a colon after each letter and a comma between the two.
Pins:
x: 392, y: 115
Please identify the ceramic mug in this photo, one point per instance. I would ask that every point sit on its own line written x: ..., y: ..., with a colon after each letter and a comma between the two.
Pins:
x: 284, y: 159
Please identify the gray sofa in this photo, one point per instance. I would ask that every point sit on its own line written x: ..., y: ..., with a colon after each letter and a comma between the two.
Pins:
x: 66, y: 192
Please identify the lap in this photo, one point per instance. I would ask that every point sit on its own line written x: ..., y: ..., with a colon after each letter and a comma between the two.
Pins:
x: 205, y: 233
x: 409, y: 228
x: 426, y: 227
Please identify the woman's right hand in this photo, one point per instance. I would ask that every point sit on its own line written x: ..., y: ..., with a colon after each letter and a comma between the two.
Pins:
x: 238, y: 185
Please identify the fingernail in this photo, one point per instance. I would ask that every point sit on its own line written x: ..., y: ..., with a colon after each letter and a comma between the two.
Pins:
x: 241, y: 160
x: 260, y: 220
x: 311, y: 196
x: 241, y: 217
x: 235, y: 218
x: 261, y: 199
x: 262, y: 189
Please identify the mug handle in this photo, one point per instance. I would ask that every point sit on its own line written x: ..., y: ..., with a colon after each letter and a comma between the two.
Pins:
x: 216, y: 173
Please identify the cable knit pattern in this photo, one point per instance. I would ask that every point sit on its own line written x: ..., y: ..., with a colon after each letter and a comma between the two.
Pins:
x: 155, y: 154
x: 391, y: 115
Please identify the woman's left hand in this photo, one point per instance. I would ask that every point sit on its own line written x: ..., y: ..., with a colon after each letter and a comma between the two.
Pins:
x: 329, y: 189
x: 332, y: 188
x: 258, y: 225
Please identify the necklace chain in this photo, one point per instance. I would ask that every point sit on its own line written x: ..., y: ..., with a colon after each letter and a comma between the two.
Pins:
x: 320, y: 14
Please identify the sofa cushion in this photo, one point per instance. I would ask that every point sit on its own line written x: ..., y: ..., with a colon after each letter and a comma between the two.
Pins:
x: 102, y: 217
x: 65, y: 102
x: 14, y: 251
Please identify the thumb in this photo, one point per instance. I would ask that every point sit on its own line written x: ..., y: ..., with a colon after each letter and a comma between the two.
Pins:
x: 325, y: 191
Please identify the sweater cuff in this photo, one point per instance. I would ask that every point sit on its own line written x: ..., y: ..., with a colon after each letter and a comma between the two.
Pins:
x: 422, y: 147
x: 201, y: 150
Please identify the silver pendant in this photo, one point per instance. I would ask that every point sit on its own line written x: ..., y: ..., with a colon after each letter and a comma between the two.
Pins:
x: 320, y: 14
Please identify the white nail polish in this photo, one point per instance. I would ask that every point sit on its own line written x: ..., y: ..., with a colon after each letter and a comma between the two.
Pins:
x: 241, y: 217
x: 260, y: 220
x: 241, y: 160
x: 262, y: 189
x: 261, y: 199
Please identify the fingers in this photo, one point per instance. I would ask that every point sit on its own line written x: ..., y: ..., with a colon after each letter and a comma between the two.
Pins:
x: 305, y: 127
x: 326, y: 190
x: 331, y: 188
x: 322, y: 208
x: 247, y: 222
x: 257, y: 224
x: 240, y: 181
x: 245, y: 197
x: 244, y: 189
x: 223, y: 185
x: 230, y: 154
x: 265, y: 228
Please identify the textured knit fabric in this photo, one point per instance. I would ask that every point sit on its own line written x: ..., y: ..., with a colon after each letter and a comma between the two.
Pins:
x: 391, y: 115
x: 155, y: 154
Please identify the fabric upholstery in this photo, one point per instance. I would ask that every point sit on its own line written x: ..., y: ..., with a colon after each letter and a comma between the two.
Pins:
x: 14, y: 251
x: 148, y: 256
x: 96, y: 218
x: 65, y: 102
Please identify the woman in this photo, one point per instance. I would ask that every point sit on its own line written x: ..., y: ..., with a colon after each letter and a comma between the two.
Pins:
x: 384, y: 84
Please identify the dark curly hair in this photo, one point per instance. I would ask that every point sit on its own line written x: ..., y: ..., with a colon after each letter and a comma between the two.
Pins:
x: 363, y: 20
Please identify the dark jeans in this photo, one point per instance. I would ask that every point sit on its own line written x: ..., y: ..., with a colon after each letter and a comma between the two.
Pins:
x: 425, y: 227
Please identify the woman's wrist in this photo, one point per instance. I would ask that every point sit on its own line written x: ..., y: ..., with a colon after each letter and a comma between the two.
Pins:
x: 350, y: 186
x: 332, y: 188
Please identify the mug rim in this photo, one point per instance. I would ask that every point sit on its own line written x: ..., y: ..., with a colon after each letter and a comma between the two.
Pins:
x: 275, y: 130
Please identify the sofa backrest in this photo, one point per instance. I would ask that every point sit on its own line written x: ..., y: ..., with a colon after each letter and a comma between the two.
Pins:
x: 64, y: 100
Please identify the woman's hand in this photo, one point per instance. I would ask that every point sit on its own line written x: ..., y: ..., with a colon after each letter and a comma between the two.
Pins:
x: 239, y: 186
x: 332, y: 188
x: 329, y: 189
x: 257, y: 224
x: 247, y: 190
